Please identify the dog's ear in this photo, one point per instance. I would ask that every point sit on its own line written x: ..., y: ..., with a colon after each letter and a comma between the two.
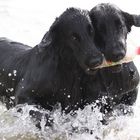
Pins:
x: 45, y: 42
x: 50, y: 37
x: 136, y: 19
x: 131, y: 20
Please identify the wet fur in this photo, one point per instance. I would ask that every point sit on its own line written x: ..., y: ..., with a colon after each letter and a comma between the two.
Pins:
x: 51, y: 72
x: 111, y: 28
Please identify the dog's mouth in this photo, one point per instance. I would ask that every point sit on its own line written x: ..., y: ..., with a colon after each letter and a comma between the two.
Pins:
x: 113, y: 69
x: 91, y: 71
x: 116, y: 68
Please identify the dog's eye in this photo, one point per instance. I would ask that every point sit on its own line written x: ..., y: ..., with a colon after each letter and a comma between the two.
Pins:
x: 118, y: 24
x: 75, y: 37
x: 91, y: 32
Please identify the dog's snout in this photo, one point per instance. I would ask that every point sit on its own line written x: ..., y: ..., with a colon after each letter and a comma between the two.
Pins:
x: 94, y: 62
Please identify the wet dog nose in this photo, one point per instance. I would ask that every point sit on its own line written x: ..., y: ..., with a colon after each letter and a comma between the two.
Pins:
x: 118, y: 55
x: 94, y: 62
x: 119, y: 52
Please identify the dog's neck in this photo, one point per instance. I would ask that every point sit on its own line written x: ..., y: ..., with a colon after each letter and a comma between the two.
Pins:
x: 62, y: 76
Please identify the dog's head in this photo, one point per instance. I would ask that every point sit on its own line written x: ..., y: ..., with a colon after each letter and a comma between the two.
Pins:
x: 111, y: 28
x: 72, y: 35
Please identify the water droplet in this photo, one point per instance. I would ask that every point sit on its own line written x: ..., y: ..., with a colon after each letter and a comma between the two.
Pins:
x: 15, y: 72
x: 68, y: 96
x: 9, y: 74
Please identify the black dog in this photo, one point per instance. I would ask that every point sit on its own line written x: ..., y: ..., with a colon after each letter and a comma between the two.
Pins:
x: 51, y: 72
x: 119, y: 83
x: 111, y: 28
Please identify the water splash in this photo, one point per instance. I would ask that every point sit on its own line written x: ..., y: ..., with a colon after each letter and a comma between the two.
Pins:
x: 82, y: 125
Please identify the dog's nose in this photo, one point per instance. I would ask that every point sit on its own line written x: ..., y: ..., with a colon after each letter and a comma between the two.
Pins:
x: 118, y: 55
x: 94, y: 62
x: 119, y: 52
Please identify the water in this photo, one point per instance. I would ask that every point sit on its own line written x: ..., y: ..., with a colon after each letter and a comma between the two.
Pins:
x: 85, y: 125
x: 20, y: 22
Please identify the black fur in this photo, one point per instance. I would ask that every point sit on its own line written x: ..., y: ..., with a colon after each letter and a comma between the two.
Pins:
x: 60, y: 69
x: 51, y: 72
x: 112, y: 88
x: 111, y: 28
x: 118, y: 83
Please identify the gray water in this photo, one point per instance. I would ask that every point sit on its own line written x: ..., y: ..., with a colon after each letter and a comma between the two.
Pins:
x: 26, y: 21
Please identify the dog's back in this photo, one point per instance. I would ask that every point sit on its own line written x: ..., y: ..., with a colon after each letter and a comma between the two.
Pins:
x: 8, y: 46
x: 10, y: 50
x: 10, y: 56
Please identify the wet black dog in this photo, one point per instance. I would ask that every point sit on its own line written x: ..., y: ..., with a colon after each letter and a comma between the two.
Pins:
x: 111, y: 28
x: 118, y: 83
x: 51, y: 72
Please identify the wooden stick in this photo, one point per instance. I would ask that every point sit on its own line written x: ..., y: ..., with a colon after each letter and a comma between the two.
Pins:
x: 126, y: 59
